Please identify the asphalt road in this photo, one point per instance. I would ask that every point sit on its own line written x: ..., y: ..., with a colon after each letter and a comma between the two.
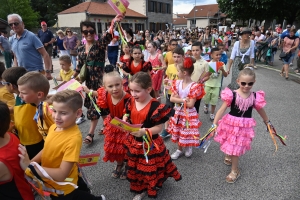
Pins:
x: 264, y: 175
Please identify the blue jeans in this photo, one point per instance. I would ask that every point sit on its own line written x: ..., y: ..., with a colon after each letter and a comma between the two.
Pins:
x: 73, y: 59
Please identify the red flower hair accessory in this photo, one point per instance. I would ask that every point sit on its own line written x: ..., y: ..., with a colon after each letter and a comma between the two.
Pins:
x: 188, y: 62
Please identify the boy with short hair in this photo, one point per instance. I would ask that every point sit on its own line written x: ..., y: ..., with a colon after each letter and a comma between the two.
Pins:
x: 5, y: 95
x: 223, y: 59
x: 23, y: 113
x: 200, y: 68
x: 169, y: 55
x: 12, y: 181
x: 212, y: 86
x: 61, y: 152
x: 65, y: 73
x: 34, y: 88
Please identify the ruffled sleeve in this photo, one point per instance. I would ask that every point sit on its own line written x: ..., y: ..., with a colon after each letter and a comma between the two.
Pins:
x: 162, y: 114
x: 102, y: 98
x: 196, y: 91
x: 227, y: 96
x: 126, y: 66
x: 147, y: 66
x: 260, y: 101
x: 174, y: 87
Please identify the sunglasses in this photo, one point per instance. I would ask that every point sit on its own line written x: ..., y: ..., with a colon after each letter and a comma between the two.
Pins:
x: 249, y: 84
x: 85, y: 32
x: 15, y: 24
x: 4, y: 83
x: 68, y: 31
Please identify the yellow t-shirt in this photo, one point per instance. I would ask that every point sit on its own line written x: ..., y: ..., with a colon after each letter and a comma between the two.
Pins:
x: 169, y: 58
x: 171, y: 73
x: 200, y: 66
x: 46, y: 121
x: 7, y: 98
x: 66, y: 76
x: 215, y: 79
x: 26, y: 126
x: 63, y: 146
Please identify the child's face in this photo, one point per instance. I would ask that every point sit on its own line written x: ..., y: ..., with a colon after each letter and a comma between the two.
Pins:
x: 221, y: 49
x: 180, y: 73
x: 196, y: 51
x: 64, y: 65
x: 245, y: 82
x: 177, y: 58
x: 64, y: 117
x: 150, y: 48
x: 113, y: 85
x: 138, y: 93
x: 206, y: 45
x: 28, y: 95
x: 126, y: 49
x: 216, y: 55
x: 8, y: 86
x: 173, y: 45
x: 137, y: 54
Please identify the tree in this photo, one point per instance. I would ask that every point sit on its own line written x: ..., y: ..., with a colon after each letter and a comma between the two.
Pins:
x: 48, y: 9
x: 21, y: 7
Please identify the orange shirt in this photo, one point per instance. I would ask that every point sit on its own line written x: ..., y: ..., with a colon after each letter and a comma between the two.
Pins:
x: 139, y: 116
x: 135, y: 69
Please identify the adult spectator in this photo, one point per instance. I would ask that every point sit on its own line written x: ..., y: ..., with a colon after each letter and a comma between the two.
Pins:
x: 290, y: 44
x: 242, y: 54
x: 259, y: 40
x: 60, y: 43
x: 206, y: 36
x: 28, y: 49
x: 92, y: 53
x: 5, y: 48
x: 10, y: 39
x: 47, y: 38
x: 147, y: 35
x: 286, y: 32
x: 129, y: 36
x: 71, y: 44
x: 273, y: 46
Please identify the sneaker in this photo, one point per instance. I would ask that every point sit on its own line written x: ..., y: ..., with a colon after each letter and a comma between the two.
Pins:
x: 188, y: 151
x: 80, y: 120
x: 102, y: 197
x: 212, y: 117
x: 176, y: 154
x: 205, y: 109
x: 164, y: 134
x: 291, y: 64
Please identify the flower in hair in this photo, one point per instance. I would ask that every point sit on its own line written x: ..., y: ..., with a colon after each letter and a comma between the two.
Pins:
x: 188, y: 62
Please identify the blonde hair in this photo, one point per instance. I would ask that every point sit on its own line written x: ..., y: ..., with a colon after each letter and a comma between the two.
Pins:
x: 35, y: 81
x: 71, y: 98
x: 247, y: 71
x: 60, y: 31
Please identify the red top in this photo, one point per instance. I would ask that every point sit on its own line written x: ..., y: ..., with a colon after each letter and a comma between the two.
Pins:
x: 142, y: 66
x: 135, y: 69
x: 17, y: 187
x: 139, y: 116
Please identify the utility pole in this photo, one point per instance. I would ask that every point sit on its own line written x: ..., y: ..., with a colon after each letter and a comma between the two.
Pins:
x: 195, y: 14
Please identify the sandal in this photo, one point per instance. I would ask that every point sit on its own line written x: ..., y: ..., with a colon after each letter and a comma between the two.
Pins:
x: 139, y: 196
x: 227, y: 160
x: 233, y: 176
x: 101, y: 131
x: 116, y: 173
x: 124, y: 174
x: 87, y: 140
x: 281, y: 74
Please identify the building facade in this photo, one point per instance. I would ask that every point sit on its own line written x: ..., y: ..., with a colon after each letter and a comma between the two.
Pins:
x: 158, y: 13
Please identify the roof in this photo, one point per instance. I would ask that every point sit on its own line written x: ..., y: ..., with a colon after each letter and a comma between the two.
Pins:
x: 99, y: 8
x: 180, y: 21
x: 209, y: 10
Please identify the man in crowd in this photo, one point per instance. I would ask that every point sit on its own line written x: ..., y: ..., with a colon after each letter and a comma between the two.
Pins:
x: 28, y: 49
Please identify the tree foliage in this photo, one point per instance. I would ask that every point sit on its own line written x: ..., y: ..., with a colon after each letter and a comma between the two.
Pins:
x: 48, y: 9
x: 261, y: 9
x: 21, y: 7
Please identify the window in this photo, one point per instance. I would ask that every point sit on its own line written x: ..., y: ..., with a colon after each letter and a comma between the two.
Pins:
x: 151, y: 6
x: 152, y: 27
x: 168, y: 9
x: 159, y: 7
x: 99, y: 26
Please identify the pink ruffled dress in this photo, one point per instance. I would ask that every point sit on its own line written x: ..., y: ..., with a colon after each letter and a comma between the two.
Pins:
x: 182, y: 135
x: 235, y: 130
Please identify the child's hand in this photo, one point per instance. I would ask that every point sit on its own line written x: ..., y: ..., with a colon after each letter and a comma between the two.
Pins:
x: 139, y: 133
x: 125, y: 118
x: 24, y: 159
x: 85, y: 89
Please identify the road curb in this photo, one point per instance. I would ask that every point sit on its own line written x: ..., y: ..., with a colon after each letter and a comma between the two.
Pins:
x: 277, y: 70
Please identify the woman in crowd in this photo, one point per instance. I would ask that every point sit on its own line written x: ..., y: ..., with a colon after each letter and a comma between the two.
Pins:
x: 71, y: 42
x: 60, y: 43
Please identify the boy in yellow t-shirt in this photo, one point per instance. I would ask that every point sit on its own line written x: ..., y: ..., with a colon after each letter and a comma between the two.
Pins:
x: 169, y: 55
x: 65, y: 73
x: 5, y: 95
x: 34, y: 88
x: 61, y: 152
x: 23, y: 113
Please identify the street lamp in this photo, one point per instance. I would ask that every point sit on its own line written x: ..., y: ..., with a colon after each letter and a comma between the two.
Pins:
x: 195, y: 14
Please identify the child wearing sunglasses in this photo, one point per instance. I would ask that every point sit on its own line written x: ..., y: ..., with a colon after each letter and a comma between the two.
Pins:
x: 235, y: 130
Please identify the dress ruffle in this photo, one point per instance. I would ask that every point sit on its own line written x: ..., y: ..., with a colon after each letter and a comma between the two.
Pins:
x: 113, y: 142
x: 102, y: 100
x: 260, y: 101
x: 162, y: 114
x: 197, y: 91
x: 227, y: 96
x: 149, y: 176
x: 235, y: 134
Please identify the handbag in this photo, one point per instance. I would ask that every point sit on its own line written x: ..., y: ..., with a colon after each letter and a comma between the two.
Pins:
x: 286, y: 56
x: 84, y: 71
x: 73, y: 52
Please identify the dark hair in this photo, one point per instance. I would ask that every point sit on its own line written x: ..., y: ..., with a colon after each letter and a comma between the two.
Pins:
x: 129, y: 31
x: 197, y: 44
x: 4, y: 119
x: 172, y: 40
x: 136, y: 47
x: 13, y: 74
x: 178, y: 50
x: 214, y: 50
x: 144, y: 80
x: 293, y: 30
x: 70, y: 98
x: 2, y: 68
x: 109, y: 68
x: 206, y: 42
x: 153, y: 44
x: 87, y: 23
x: 220, y: 45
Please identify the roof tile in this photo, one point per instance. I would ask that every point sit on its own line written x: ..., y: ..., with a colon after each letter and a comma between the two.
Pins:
x: 205, y: 11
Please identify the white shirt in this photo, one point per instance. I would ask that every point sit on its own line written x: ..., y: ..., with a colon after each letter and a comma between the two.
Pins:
x: 260, y: 38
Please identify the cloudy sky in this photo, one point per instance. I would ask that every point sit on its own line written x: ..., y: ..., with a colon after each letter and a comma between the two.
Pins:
x: 185, y: 6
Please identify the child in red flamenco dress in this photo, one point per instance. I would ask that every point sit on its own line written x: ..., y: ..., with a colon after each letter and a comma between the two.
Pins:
x: 125, y: 60
x: 235, y: 130
x: 184, y: 126
x: 146, y: 174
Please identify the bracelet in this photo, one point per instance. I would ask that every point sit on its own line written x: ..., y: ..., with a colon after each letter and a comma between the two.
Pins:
x: 91, y: 92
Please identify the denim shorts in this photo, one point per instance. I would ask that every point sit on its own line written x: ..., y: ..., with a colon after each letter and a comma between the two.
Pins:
x: 288, y: 61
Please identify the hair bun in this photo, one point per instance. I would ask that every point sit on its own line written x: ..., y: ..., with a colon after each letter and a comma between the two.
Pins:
x: 109, y: 68
x: 188, y: 62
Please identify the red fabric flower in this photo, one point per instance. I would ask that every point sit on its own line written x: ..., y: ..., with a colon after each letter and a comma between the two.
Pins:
x: 188, y: 62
